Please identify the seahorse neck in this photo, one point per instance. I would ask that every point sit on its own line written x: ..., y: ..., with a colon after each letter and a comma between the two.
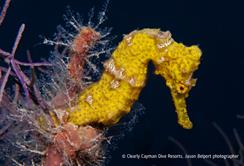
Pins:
x: 129, y: 61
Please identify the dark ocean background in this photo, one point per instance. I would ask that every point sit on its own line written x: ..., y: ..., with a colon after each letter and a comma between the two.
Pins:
x: 216, y: 26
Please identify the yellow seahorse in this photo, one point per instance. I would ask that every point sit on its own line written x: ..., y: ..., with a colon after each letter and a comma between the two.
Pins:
x: 107, y: 100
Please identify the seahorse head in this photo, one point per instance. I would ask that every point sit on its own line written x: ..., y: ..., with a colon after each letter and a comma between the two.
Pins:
x: 176, y: 63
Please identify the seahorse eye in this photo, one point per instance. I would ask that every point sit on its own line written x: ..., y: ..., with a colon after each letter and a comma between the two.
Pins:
x: 181, y: 88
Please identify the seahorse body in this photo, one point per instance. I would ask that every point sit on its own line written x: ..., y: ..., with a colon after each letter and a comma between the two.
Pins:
x: 107, y: 100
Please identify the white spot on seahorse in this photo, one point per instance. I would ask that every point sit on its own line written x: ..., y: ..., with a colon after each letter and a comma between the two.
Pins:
x: 89, y: 99
x: 114, y: 84
x: 161, y: 60
x: 132, y: 81
x: 165, y: 39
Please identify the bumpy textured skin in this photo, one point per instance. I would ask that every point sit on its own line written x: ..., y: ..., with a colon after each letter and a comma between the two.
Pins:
x: 107, y: 100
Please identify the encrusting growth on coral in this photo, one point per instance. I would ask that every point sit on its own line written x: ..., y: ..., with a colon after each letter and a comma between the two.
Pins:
x: 86, y: 38
x: 71, y: 140
x: 107, y: 100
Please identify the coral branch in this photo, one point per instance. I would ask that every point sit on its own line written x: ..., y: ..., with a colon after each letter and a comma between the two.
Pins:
x: 15, y: 66
x: 240, y: 116
x: 4, y: 82
x: 4, y: 11
x: 18, y: 38
x: 4, y: 53
x: 182, y: 148
x: 23, y: 147
x: 33, y: 64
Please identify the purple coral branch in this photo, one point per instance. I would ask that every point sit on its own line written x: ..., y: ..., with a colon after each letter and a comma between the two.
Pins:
x: 16, y: 93
x: 37, y: 93
x: 7, y: 56
x: 4, y: 53
x: 33, y: 64
x: 4, y: 82
x: 17, y: 40
x: 15, y: 66
x: 4, y: 11
x: 3, y: 69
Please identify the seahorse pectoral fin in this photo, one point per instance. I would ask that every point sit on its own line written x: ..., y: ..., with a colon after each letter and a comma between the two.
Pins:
x: 181, y: 110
